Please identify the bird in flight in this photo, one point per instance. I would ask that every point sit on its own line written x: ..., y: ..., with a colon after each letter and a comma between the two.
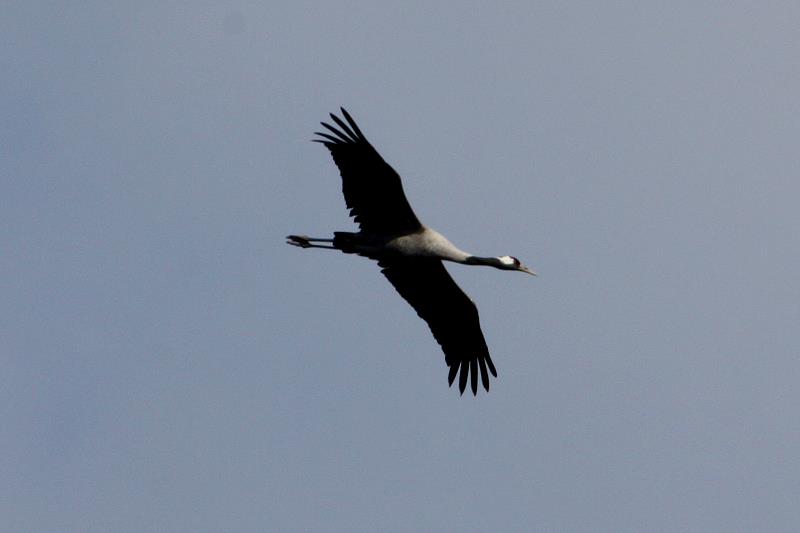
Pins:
x: 409, y: 253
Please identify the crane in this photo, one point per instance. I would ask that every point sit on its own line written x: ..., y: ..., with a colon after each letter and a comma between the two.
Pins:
x: 409, y: 253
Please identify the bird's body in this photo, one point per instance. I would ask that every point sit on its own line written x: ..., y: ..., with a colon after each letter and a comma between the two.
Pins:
x: 427, y: 243
x: 409, y: 253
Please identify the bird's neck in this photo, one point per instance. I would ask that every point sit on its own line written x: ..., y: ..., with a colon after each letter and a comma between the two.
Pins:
x: 486, y: 261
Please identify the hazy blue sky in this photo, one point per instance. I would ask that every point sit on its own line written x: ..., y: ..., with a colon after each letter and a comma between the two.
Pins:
x: 169, y: 364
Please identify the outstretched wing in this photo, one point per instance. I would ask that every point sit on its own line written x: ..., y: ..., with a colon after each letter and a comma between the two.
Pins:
x: 451, y: 315
x: 372, y: 189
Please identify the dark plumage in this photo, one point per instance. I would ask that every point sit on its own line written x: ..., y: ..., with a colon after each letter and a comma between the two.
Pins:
x: 453, y: 318
x: 372, y: 189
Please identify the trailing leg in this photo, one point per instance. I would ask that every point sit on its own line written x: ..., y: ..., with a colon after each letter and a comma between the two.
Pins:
x: 347, y: 242
x: 304, y: 241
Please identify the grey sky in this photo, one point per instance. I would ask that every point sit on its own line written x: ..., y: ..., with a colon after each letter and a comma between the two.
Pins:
x: 169, y: 364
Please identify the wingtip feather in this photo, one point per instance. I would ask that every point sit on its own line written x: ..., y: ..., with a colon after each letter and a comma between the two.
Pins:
x: 473, y: 370
x: 345, y: 127
x: 341, y: 137
x: 330, y: 138
x: 491, y: 365
x: 451, y: 377
x: 353, y: 124
x: 462, y: 377
x: 484, y: 374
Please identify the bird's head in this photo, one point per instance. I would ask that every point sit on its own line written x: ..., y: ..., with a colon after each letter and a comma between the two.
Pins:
x: 508, y: 262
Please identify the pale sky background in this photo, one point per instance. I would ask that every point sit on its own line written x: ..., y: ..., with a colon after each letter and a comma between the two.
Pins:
x: 169, y: 364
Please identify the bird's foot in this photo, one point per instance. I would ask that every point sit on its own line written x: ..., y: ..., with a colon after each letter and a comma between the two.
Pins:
x: 303, y: 241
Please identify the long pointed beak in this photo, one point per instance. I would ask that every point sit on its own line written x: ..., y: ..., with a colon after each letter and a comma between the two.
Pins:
x: 527, y: 270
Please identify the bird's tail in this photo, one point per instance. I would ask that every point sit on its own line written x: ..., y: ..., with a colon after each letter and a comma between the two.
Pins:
x: 346, y: 241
